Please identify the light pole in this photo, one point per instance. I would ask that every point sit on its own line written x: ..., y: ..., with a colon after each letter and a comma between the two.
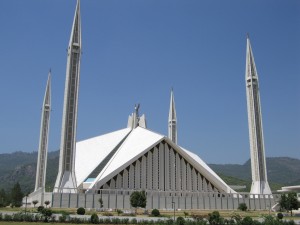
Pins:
x: 173, y: 206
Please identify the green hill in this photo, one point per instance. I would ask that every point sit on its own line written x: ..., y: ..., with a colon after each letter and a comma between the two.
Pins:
x: 21, y: 167
x: 283, y: 171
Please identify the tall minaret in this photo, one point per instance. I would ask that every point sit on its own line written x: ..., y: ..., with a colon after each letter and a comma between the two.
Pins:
x: 172, y: 134
x: 43, y: 145
x: 258, y: 160
x: 66, y: 180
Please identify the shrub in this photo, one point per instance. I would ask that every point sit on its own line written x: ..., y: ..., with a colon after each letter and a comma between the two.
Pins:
x: 107, y: 221
x: 291, y: 222
x: 40, y: 208
x: 169, y: 222
x: 37, y: 217
x: 81, y: 211
x: 17, y: 217
x: 133, y: 221
x: 214, y: 218
x: 124, y: 221
x: 180, y: 220
x: 155, y: 212
x: 62, y: 218
x: 279, y: 216
x: 7, y: 217
x: 236, y: 217
x: 243, y: 207
x: 185, y: 214
x: 115, y: 221
x: 29, y: 217
x: 94, y: 218
x: 46, y: 214
x: 65, y: 216
x: 119, y: 211
x: 247, y: 221
x: 77, y: 220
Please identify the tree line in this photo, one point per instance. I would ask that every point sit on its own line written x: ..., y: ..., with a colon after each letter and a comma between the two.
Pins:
x: 13, y: 197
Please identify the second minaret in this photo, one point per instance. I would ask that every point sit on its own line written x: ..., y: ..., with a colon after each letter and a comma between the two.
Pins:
x: 66, y: 180
x: 257, y: 150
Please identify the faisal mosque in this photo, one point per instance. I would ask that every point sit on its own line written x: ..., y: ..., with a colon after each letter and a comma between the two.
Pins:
x: 136, y: 158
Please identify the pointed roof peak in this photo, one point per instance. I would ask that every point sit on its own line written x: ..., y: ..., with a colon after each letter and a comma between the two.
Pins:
x: 250, y: 63
x: 75, y: 38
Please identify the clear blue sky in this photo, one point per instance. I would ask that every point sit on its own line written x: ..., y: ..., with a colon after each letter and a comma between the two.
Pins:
x: 135, y: 51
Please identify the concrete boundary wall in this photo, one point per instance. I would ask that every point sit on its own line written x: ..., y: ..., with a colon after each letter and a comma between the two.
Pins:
x: 120, y: 199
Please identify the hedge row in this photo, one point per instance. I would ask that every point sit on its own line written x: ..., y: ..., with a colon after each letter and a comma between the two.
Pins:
x: 213, y: 219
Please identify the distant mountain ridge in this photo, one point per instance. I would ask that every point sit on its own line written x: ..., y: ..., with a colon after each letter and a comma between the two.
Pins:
x: 280, y: 170
x: 21, y: 167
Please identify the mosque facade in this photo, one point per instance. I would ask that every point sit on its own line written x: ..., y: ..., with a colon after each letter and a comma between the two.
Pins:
x: 133, y: 158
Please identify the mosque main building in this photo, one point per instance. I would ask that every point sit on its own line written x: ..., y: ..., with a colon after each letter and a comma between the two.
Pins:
x: 117, y: 163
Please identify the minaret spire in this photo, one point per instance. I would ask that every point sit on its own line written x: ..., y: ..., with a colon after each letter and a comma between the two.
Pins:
x: 258, y: 161
x: 43, y: 143
x: 66, y: 180
x: 172, y: 134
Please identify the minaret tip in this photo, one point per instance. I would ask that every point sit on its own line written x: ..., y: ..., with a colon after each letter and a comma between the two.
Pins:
x: 172, y: 123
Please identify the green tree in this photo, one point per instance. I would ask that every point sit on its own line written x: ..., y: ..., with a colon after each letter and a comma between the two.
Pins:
x: 138, y: 199
x: 47, y: 203
x: 16, y: 195
x: 289, y: 202
x: 3, y: 198
x: 34, y: 202
x: 100, y: 202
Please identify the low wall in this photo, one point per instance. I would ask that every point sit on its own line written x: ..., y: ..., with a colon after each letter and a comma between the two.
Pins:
x: 120, y: 199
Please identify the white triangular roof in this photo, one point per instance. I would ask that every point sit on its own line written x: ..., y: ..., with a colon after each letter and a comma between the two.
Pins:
x: 138, y: 142
x: 91, y: 152
x: 208, y: 172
